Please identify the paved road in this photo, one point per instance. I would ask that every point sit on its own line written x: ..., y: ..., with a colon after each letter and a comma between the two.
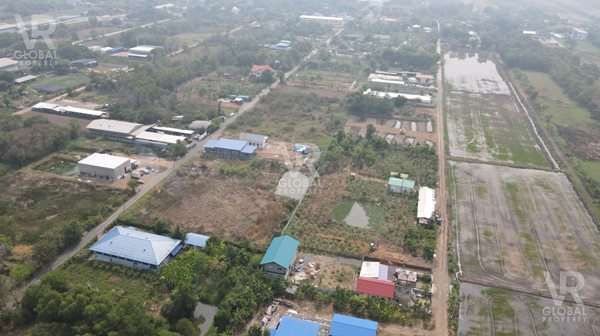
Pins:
x: 441, y: 280
x: 89, y: 236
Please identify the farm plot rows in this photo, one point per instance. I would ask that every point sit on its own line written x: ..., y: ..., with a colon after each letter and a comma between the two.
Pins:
x: 491, y: 128
x: 493, y: 311
x: 516, y: 225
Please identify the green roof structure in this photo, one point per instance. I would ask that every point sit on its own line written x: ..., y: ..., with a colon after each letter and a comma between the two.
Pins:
x: 281, y: 251
x: 401, y: 183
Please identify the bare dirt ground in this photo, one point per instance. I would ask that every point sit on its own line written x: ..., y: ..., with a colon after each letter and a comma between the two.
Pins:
x: 333, y: 271
x: 201, y: 199
x: 517, y: 224
x: 491, y: 311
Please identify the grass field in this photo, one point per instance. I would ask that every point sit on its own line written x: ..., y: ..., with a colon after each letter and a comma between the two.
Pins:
x: 294, y: 117
x: 491, y: 128
x: 323, y: 80
x: 68, y: 81
x: 558, y: 107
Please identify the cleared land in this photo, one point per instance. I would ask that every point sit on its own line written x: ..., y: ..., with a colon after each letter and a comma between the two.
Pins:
x: 230, y: 199
x: 323, y: 80
x: 294, y: 117
x: 493, y: 311
x: 517, y: 224
x: 491, y: 128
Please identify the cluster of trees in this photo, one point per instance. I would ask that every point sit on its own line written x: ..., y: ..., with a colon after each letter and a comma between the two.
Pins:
x: 409, y: 58
x: 60, y: 307
x: 24, y: 141
x: 366, y: 105
x: 375, y: 308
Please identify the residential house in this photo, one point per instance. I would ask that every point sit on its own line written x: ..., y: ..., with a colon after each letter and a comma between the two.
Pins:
x: 280, y: 256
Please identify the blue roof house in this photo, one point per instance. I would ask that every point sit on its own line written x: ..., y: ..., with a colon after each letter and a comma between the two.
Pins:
x: 133, y: 248
x: 230, y: 149
x: 196, y: 240
x: 280, y: 256
x: 289, y: 326
x: 343, y: 325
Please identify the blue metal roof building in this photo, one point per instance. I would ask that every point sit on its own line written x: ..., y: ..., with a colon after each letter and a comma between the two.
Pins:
x: 134, y: 248
x: 230, y: 148
x: 280, y: 256
x: 196, y: 240
x: 289, y: 326
x: 343, y: 325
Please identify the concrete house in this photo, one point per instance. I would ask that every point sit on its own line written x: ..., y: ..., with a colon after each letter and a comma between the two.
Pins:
x: 400, y: 185
x: 257, y: 140
x: 230, y: 149
x: 280, y: 256
x: 104, y: 166
x: 133, y: 248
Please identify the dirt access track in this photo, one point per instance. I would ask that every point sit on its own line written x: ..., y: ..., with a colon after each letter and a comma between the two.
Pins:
x: 201, y: 199
x: 517, y: 224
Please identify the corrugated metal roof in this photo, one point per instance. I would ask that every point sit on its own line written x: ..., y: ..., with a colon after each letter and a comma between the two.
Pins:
x: 369, y: 269
x: 77, y: 110
x: 343, y: 325
x: 426, y: 205
x: 249, y: 149
x: 376, y: 287
x: 25, y: 79
x: 115, y: 126
x: 253, y: 137
x: 196, y: 239
x: 173, y: 130
x: 281, y: 251
x: 135, y: 245
x: 159, y: 137
x: 6, y: 62
x: 199, y: 124
x: 289, y: 326
x: 230, y: 144
x: 104, y: 160
x: 403, y: 183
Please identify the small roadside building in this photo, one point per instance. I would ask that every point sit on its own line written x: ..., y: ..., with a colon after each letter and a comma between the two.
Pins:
x: 257, y: 70
x: 260, y: 141
x: 289, y: 326
x: 400, y: 185
x: 426, y: 205
x: 104, y: 166
x: 374, y: 280
x: 343, y: 325
x: 196, y: 240
x: 133, y: 248
x: 230, y: 149
x: 280, y: 256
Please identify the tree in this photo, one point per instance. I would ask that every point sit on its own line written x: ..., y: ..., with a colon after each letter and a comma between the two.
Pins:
x: 71, y: 233
x: 133, y: 184
x: 267, y: 77
x: 62, y: 67
x: 281, y: 76
x: 185, y: 327
x: 370, y: 131
x: 161, y: 226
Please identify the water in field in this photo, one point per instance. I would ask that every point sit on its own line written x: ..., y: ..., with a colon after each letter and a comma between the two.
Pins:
x: 473, y: 73
x: 357, y: 216
x: 204, y: 314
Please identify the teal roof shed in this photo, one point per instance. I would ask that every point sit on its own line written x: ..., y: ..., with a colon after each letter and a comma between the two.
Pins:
x: 281, y: 251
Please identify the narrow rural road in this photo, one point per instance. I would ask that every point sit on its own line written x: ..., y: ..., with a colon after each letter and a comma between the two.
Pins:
x: 92, y: 234
x: 441, y: 280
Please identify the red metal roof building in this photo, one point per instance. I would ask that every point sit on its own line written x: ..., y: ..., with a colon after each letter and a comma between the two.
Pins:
x: 261, y: 68
x: 375, y: 287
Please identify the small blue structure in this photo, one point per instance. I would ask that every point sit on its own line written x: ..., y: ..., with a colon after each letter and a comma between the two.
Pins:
x: 289, y: 326
x: 343, y: 325
x: 196, y: 240
x: 230, y: 148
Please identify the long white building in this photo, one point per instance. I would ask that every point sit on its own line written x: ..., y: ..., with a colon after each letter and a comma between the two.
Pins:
x: 333, y: 21
x: 426, y: 205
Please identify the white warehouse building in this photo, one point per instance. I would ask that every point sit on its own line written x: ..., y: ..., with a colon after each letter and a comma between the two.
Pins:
x: 104, y: 166
x: 426, y: 205
x: 337, y: 22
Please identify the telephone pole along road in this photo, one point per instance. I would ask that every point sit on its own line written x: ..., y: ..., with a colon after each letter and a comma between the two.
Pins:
x: 90, y: 235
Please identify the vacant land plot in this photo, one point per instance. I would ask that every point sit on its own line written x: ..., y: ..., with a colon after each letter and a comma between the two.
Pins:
x: 294, y: 117
x: 389, y: 220
x: 226, y: 198
x: 397, y: 130
x: 491, y: 128
x: 517, y: 224
x: 493, y: 311
x: 67, y: 81
x: 473, y: 73
x: 323, y: 80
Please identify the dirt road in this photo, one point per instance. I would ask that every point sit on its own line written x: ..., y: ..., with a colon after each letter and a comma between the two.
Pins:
x: 441, y: 280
